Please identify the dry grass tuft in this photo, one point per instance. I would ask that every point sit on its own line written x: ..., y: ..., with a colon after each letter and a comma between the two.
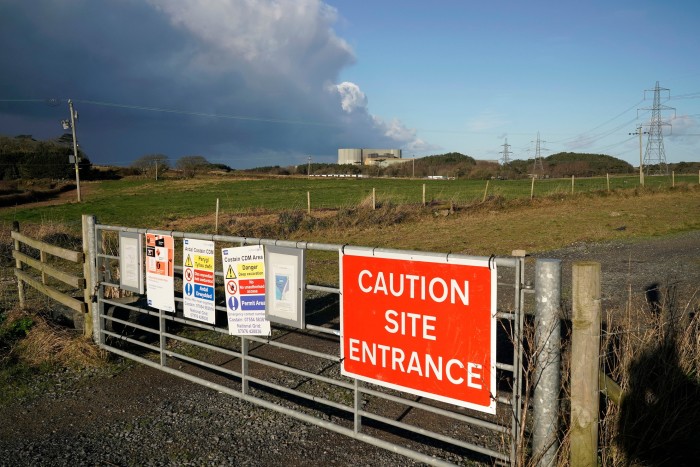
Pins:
x: 48, y: 343
x: 655, y: 358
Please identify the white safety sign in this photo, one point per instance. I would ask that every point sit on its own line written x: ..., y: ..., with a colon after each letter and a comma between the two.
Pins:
x: 198, y: 297
x: 244, y: 283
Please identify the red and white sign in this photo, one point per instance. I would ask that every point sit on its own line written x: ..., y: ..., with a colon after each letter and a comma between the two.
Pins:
x: 252, y: 286
x: 421, y: 324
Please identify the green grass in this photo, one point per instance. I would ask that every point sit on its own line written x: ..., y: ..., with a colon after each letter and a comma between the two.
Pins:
x: 146, y: 203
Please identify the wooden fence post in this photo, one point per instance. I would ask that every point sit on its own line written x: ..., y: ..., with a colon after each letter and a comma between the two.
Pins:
x: 585, y: 346
x: 486, y: 190
x: 607, y: 177
x: 216, y: 220
x: 374, y: 199
x: 424, y: 195
x: 42, y: 258
x: 18, y: 265
x: 532, y: 187
x: 572, y: 184
x: 308, y: 202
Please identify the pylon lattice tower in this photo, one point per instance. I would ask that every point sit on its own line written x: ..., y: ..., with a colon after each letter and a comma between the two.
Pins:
x: 506, y: 153
x: 655, y: 155
x: 538, y: 166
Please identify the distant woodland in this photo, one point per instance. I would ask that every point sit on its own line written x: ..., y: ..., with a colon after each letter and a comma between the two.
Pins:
x: 24, y: 158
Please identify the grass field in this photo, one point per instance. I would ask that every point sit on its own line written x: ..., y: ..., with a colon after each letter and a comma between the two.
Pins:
x: 147, y: 203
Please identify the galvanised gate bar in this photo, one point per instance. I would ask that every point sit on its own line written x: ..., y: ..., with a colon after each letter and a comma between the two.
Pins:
x: 297, y: 371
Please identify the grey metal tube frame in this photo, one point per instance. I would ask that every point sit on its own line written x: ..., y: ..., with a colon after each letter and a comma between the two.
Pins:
x: 512, y: 403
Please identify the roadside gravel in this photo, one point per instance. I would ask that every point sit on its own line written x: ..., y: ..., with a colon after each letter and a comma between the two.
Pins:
x: 142, y: 416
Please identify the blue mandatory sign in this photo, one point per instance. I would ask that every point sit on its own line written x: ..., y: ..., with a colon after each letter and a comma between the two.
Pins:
x: 253, y: 303
x: 233, y: 303
x: 188, y: 289
x: 203, y: 292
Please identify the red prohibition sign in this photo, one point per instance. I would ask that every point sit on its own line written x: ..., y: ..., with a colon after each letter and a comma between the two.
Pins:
x: 231, y: 287
x: 188, y: 274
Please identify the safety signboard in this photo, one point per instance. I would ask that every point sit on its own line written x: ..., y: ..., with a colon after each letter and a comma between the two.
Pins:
x: 198, y: 297
x: 244, y: 280
x: 160, y: 283
x: 420, y: 324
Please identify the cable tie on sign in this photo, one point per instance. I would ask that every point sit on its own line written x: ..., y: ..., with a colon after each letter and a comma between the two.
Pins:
x: 342, y: 248
x: 492, y: 258
x: 447, y: 258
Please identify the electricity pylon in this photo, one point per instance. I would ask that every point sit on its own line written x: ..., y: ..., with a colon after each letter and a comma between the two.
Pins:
x: 506, y: 153
x: 538, y: 166
x: 655, y: 155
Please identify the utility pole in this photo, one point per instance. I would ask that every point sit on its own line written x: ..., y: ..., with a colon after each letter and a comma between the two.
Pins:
x: 308, y: 170
x: 641, y: 170
x: 66, y: 124
x: 506, y: 153
x: 655, y: 153
x: 413, y: 162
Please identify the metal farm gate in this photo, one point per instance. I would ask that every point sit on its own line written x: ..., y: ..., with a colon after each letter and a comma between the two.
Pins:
x: 297, y: 371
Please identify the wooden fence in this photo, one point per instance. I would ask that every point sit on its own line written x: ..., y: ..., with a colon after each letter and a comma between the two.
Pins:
x: 39, y: 270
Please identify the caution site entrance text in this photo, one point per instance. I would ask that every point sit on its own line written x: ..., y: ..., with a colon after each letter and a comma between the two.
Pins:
x: 420, y: 325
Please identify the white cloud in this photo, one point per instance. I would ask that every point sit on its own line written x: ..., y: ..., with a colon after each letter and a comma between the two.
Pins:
x: 351, y: 97
x: 290, y: 37
x: 403, y: 136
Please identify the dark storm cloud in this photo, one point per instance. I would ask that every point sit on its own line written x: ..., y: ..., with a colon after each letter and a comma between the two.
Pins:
x: 266, y: 69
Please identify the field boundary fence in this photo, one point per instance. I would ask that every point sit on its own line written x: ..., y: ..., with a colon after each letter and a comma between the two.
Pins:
x: 296, y: 370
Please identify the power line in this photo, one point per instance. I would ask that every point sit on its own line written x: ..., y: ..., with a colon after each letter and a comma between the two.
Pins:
x: 179, y: 112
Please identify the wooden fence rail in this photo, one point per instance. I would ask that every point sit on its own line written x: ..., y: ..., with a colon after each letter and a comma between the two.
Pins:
x: 40, y: 284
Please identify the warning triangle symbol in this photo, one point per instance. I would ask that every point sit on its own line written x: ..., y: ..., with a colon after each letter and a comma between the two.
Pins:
x: 230, y: 274
x: 188, y: 262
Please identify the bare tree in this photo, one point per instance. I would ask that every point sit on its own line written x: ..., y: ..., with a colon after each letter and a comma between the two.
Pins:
x: 192, y: 165
x: 152, y: 165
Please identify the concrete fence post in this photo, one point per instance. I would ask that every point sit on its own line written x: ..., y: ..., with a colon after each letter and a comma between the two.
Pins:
x: 547, y: 375
x: 585, y: 351
x: 90, y: 273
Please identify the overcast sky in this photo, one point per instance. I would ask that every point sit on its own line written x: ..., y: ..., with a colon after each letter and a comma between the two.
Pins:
x: 270, y: 82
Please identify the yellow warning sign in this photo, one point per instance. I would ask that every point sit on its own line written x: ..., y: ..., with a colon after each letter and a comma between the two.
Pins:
x: 188, y: 262
x: 251, y: 270
x: 204, y: 262
x: 230, y: 274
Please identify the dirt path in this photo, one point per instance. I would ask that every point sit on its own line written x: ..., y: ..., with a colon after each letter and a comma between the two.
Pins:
x: 666, y: 269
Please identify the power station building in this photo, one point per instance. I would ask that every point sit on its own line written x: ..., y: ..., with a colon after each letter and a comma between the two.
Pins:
x: 369, y: 156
